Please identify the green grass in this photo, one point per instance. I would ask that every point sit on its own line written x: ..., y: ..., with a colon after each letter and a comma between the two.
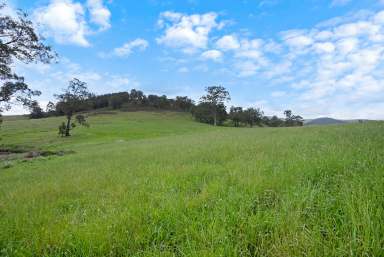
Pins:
x: 159, y: 184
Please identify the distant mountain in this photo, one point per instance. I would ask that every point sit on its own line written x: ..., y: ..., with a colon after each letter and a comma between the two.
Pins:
x: 324, y: 121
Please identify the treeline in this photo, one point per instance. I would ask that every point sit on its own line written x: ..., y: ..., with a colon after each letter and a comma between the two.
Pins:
x: 130, y: 101
x: 240, y: 117
x: 211, y: 108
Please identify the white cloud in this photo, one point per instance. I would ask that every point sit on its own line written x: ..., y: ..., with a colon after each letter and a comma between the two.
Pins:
x: 228, y: 42
x: 65, y: 20
x: 100, y: 15
x: 296, y: 38
x: 329, y: 69
x: 326, y: 47
x: 127, y: 49
x: 214, y: 55
x: 187, y: 32
x: 247, y: 68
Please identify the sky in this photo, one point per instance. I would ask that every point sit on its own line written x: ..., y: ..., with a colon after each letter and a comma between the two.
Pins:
x: 315, y: 57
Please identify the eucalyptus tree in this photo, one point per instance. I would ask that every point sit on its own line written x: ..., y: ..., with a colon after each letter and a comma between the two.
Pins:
x: 73, y: 100
x: 253, y: 116
x: 19, y: 41
x: 216, y: 96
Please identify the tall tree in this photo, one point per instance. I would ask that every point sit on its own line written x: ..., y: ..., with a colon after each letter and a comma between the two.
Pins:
x: 216, y: 96
x: 253, y: 116
x: 36, y: 111
x: 18, y: 41
x: 236, y: 115
x: 72, y: 100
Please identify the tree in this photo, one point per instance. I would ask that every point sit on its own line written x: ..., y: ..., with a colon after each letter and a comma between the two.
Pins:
x: 136, y: 97
x: 36, y: 111
x: 50, y: 109
x: 72, y: 100
x: 292, y: 120
x: 203, y: 113
x: 216, y: 96
x: 19, y: 41
x: 253, y: 116
x: 236, y: 115
x: 116, y: 101
x: 183, y: 103
x: 275, y: 122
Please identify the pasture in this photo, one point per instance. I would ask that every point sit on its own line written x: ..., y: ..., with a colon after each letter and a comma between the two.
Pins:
x: 160, y: 184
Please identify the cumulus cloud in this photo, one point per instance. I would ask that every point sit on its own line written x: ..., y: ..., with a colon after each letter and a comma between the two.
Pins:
x: 127, y: 49
x: 328, y: 69
x: 214, y: 55
x: 100, y: 15
x: 228, y: 42
x: 65, y: 20
x: 187, y: 32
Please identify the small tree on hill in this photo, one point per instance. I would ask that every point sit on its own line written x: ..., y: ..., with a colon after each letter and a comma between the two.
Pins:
x: 72, y: 100
x: 216, y: 96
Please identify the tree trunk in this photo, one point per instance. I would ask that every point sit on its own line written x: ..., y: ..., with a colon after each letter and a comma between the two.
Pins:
x: 68, y: 127
x: 214, y: 115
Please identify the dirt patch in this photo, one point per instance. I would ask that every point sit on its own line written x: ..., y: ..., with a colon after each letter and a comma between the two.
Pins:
x: 7, y: 154
x: 35, y: 154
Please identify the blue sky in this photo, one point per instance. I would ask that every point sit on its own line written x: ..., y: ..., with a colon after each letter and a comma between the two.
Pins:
x: 316, y: 57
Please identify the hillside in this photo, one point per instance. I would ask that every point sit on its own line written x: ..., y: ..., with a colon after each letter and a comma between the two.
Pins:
x: 160, y: 184
x: 324, y: 121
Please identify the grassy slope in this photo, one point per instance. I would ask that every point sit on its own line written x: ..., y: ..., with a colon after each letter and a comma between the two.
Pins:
x: 145, y: 184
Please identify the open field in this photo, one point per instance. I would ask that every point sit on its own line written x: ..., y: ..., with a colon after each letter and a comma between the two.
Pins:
x: 160, y: 184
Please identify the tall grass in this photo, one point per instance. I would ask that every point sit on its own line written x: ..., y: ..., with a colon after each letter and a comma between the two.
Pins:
x: 179, y: 188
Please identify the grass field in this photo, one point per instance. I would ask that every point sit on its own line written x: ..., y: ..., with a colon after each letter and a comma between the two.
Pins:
x: 160, y: 184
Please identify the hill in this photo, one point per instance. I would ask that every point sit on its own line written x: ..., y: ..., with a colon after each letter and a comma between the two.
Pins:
x: 160, y: 184
x: 324, y: 121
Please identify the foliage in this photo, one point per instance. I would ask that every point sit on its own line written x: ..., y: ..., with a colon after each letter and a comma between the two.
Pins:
x: 292, y: 120
x: 36, y: 111
x: 50, y: 109
x: 203, y: 113
x: 72, y: 100
x: 82, y: 120
x: 215, y: 98
x: 18, y: 41
x: 62, y: 129
x: 236, y: 114
x: 253, y: 116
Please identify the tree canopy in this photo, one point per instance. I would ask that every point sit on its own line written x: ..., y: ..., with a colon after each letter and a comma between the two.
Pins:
x: 215, y: 97
x: 19, y: 41
x: 72, y: 100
